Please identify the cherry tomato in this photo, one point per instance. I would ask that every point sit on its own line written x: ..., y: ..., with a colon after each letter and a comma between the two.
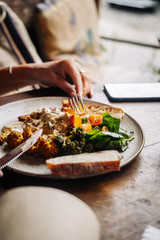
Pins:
x: 95, y: 120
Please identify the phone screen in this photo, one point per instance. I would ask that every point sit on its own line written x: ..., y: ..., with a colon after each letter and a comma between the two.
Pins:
x: 132, y: 91
x: 141, y: 4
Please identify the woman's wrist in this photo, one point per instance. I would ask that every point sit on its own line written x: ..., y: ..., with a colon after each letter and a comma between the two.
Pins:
x: 35, y: 73
x: 23, y: 75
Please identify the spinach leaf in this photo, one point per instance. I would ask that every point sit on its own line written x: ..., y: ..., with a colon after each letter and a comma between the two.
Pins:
x: 117, y: 138
x: 126, y: 134
x: 93, y: 132
x: 105, y: 140
x: 112, y: 123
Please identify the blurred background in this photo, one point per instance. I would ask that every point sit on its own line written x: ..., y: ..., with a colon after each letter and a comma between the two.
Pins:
x: 129, y: 31
x: 140, y: 25
x: 131, y: 39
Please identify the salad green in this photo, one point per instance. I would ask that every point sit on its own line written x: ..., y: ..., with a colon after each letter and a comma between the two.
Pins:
x: 114, y: 137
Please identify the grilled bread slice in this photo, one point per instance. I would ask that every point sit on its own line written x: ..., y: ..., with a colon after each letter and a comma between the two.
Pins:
x: 96, y: 109
x: 100, y: 109
x: 85, y: 164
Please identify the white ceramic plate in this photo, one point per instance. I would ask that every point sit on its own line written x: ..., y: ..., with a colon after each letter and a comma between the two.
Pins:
x: 36, y: 167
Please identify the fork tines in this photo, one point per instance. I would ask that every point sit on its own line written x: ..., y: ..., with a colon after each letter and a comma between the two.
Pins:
x: 76, y: 103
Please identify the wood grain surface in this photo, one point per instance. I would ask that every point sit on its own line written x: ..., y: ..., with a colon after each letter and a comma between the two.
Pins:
x: 125, y: 202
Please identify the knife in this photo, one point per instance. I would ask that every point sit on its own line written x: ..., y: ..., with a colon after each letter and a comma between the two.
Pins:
x: 18, y: 151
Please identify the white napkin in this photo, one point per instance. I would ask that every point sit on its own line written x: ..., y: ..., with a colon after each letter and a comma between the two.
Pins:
x: 151, y: 233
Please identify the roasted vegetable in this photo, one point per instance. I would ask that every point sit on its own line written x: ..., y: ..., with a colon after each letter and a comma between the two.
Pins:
x: 75, y: 121
x: 4, y: 133
x: 73, y: 144
x: 72, y: 147
x: 69, y: 110
x: 47, y: 148
x: 76, y: 134
x: 27, y: 133
x: 86, y: 127
x: 14, y: 139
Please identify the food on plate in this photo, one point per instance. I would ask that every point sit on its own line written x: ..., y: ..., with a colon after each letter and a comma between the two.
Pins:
x: 88, y: 165
x: 96, y: 129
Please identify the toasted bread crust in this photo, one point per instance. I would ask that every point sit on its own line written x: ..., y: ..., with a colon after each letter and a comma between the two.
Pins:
x: 84, y: 169
x: 85, y: 165
x: 100, y: 109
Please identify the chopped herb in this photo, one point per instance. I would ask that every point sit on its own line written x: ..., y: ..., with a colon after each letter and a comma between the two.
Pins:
x: 84, y: 120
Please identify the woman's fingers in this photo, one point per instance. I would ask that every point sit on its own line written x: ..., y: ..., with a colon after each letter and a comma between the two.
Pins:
x: 67, y: 87
x: 56, y: 73
x: 87, y: 81
x: 90, y: 94
x: 71, y: 69
x: 87, y: 84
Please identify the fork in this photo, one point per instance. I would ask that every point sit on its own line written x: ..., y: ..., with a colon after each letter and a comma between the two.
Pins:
x: 76, y: 103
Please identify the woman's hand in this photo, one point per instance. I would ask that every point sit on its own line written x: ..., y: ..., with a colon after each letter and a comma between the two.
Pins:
x: 64, y: 74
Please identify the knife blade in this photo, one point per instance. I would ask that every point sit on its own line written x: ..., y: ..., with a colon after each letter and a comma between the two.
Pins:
x: 19, y: 150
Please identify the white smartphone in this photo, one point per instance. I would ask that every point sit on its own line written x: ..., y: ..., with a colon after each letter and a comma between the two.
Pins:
x: 132, y: 92
x: 141, y: 4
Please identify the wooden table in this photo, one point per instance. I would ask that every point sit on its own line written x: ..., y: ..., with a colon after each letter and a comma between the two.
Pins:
x: 126, y: 201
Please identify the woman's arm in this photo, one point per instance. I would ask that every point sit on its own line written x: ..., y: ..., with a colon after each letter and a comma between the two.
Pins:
x: 52, y: 73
